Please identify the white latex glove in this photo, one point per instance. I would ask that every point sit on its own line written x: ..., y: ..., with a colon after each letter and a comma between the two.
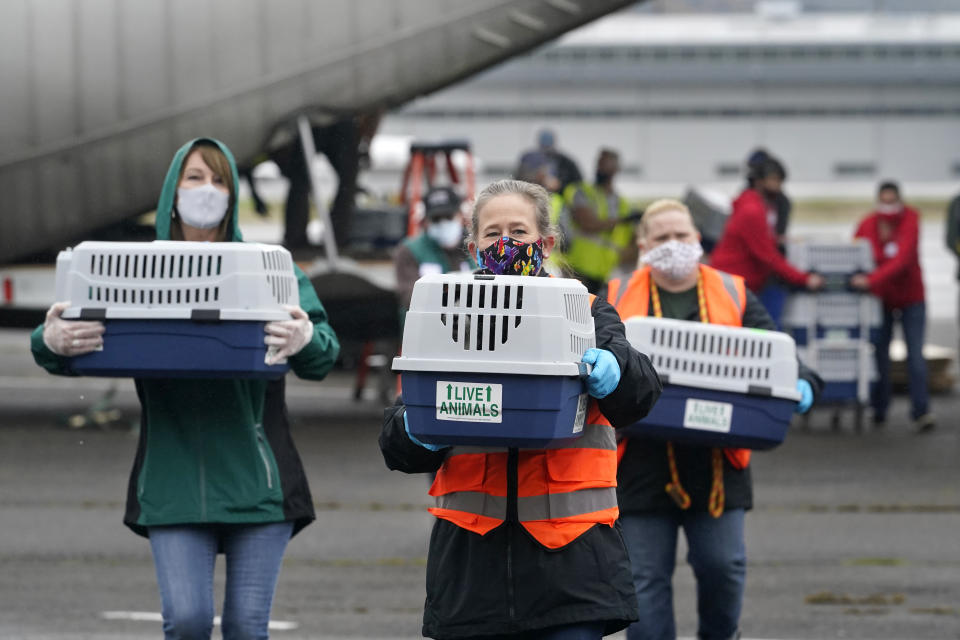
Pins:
x: 71, y: 337
x: 286, y: 338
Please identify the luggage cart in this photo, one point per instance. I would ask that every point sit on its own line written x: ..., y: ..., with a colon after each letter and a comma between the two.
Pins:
x: 835, y: 328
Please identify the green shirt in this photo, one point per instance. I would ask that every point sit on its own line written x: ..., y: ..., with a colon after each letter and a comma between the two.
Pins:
x: 680, y: 305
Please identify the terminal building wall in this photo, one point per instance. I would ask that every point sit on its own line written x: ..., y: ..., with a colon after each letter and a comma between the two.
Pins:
x: 842, y: 115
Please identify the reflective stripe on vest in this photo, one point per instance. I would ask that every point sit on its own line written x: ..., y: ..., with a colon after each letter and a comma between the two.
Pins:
x: 726, y: 296
x: 550, y: 506
x: 562, y: 490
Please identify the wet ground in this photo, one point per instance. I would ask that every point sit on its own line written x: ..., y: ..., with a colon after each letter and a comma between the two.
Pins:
x: 855, y: 535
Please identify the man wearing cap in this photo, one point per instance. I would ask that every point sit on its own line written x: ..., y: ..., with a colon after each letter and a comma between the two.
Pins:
x: 437, y: 249
x: 548, y: 166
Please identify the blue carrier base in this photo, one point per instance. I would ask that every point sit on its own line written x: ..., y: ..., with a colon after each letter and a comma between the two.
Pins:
x: 756, y: 422
x: 179, y: 349
x: 839, y: 391
x: 536, y: 410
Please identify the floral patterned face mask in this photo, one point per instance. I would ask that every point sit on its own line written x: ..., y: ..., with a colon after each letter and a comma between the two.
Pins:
x: 674, y: 258
x: 508, y: 257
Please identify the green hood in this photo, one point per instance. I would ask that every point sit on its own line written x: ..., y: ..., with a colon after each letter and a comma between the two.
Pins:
x: 169, y: 193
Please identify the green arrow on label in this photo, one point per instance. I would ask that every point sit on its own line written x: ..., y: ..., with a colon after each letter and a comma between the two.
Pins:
x: 449, y: 390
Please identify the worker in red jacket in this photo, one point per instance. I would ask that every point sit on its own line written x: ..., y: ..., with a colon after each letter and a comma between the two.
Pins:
x: 893, y: 230
x: 748, y: 247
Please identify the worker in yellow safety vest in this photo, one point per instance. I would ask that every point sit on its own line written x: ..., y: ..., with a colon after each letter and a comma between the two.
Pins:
x: 600, y: 225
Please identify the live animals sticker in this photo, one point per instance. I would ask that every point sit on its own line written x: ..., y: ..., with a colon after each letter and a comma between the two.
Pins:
x: 469, y: 401
x: 707, y: 415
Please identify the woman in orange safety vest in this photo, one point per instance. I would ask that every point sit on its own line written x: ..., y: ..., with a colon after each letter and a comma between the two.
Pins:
x: 665, y: 486
x: 526, y: 542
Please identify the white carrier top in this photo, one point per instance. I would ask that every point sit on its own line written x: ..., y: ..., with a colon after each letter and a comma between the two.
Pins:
x: 496, y: 324
x: 718, y: 357
x: 831, y: 256
x: 172, y: 280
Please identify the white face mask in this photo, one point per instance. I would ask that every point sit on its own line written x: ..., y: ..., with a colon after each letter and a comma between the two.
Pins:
x: 889, y: 208
x: 446, y: 233
x: 675, y: 259
x: 202, y: 207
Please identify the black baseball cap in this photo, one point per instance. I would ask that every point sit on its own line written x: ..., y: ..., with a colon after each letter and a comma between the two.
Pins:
x: 441, y: 201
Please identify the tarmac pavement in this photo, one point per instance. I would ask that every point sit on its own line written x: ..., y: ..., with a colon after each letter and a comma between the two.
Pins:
x: 854, y: 535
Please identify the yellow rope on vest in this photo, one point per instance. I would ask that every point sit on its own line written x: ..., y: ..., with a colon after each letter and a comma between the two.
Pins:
x: 715, y: 505
x: 674, y: 489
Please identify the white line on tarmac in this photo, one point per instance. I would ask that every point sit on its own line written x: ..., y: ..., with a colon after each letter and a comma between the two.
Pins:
x: 150, y: 616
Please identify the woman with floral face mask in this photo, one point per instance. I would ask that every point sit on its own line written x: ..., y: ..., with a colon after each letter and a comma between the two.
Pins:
x: 495, y: 568
x: 216, y: 470
x: 664, y: 486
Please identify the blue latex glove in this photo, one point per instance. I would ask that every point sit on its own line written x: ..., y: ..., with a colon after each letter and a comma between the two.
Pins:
x: 806, y: 396
x: 605, y: 375
x: 406, y: 426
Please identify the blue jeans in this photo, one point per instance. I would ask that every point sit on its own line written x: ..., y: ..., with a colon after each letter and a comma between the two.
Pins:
x: 718, y: 555
x: 185, y: 555
x: 773, y: 296
x: 914, y: 320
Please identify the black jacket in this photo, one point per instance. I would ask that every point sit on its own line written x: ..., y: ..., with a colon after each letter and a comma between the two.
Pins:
x: 505, y: 582
x: 644, y: 471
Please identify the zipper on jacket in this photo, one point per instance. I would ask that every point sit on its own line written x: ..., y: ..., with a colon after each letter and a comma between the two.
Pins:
x: 203, y: 490
x: 513, y: 456
x: 261, y: 447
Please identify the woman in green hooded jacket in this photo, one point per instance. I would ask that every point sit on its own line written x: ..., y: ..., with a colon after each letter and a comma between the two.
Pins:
x: 216, y: 469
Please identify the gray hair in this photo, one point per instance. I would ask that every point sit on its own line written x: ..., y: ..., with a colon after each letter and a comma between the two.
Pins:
x: 533, y: 193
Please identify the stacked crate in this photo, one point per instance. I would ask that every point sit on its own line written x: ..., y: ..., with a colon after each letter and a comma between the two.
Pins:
x: 834, y: 328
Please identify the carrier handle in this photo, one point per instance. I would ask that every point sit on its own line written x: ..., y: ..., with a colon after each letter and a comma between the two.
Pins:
x: 585, y: 370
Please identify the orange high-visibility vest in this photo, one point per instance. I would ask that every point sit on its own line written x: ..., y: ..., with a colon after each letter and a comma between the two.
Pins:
x: 726, y: 298
x: 562, y: 490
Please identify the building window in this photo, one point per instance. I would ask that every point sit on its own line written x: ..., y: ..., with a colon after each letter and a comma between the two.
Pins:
x: 728, y: 170
x: 854, y: 168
